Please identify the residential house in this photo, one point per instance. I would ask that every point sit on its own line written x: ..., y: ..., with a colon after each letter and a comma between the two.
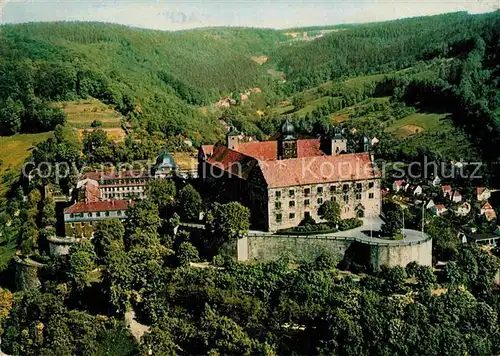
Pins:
x: 438, y: 210
x: 430, y: 204
x: 456, y: 196
x: 446, y: 190
x: 488, y: 211
x: 464, y: 209
x: 483, y: 193
x: 398, y: 185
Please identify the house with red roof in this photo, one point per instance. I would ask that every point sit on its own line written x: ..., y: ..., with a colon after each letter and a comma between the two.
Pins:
x: 398, y: 185
x: 288, y: 178
x: 438, y: 209
x: 79, y: 219
x: 446, y: 190
x: 488, y: 211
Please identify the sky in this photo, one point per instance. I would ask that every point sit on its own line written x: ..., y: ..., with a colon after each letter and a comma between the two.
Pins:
x: 177, y: 15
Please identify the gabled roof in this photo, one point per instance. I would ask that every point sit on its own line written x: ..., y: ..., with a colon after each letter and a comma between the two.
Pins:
x: 487, y: 206
x: 480, y: 190
x: 92, y: 193
x: 268, y: 150
x: 100, y: 206
x: 446, y: 188
x: 232, y: 161
x: 466, y: 205
x: 316, y: 170
x: 456, y: 193
x: 207, y: 150
x: 439, y: 207
x: 399, y: 182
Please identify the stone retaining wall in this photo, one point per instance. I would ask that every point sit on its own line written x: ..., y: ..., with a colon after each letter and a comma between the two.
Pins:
x: 302, y: 248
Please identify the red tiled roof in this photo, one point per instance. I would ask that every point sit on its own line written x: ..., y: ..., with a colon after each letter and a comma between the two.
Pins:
x: 268, y: 150
x: 480, y: 190
x: 108, y: 205
x: 399, y: 182
x: 446, y: 188
x: 231, y: 161
x: 92, y: 192
x: 207, y: 150
x: 115, y: 175
x: 316, y: 170
x: 440, y: 207
x: 487, y: 206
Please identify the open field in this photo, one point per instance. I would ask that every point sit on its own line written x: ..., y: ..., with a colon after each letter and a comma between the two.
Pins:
x: 82, y: 113
x: 419, y: 122
x: 16, y: 148
x: 114, y: 134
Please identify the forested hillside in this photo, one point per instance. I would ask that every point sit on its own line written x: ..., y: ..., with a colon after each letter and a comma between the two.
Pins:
x: 378, y: 47
x: 152, y: 77
x: 158, y: 79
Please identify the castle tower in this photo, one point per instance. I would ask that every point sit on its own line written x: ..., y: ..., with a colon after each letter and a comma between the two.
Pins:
x: 366, y: 144
x: 339, y: 142
x: 287, y: 141
x: 233, y: 138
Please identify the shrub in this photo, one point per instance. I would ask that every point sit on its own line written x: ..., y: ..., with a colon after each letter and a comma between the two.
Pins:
x: 349, y: 224
x: 309, y: 229
x: 308, y: 221
x: 187, y: 253
x: 96, y: 123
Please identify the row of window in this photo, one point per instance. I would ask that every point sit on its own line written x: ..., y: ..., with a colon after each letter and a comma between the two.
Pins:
x: 291, y: 216
x: 320, y: 189
x: 114, y: 189
x: 122, y: 181
x: 123, y: 195
x: 307, y: 202
x: 96, y: 214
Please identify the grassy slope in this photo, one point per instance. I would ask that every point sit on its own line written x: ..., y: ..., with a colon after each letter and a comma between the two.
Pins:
x: 15, y: 149
x: 82, y: 113
x: 419, y: 122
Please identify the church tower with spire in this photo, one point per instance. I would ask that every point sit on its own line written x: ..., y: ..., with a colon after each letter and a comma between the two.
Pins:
x: 287, y: 141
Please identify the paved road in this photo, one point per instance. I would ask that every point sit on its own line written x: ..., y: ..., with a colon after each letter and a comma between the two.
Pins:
x: 367, y: 233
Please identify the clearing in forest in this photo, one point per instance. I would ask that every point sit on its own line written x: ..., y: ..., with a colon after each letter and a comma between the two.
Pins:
x: 419, y: 122
x: 81, y: 113
x: 260, y: 59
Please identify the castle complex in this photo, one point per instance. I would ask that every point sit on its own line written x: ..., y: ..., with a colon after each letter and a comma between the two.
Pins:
x: 287, y: 179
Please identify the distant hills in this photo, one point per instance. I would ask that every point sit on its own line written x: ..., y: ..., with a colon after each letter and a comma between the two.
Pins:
x: 159, y: 80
